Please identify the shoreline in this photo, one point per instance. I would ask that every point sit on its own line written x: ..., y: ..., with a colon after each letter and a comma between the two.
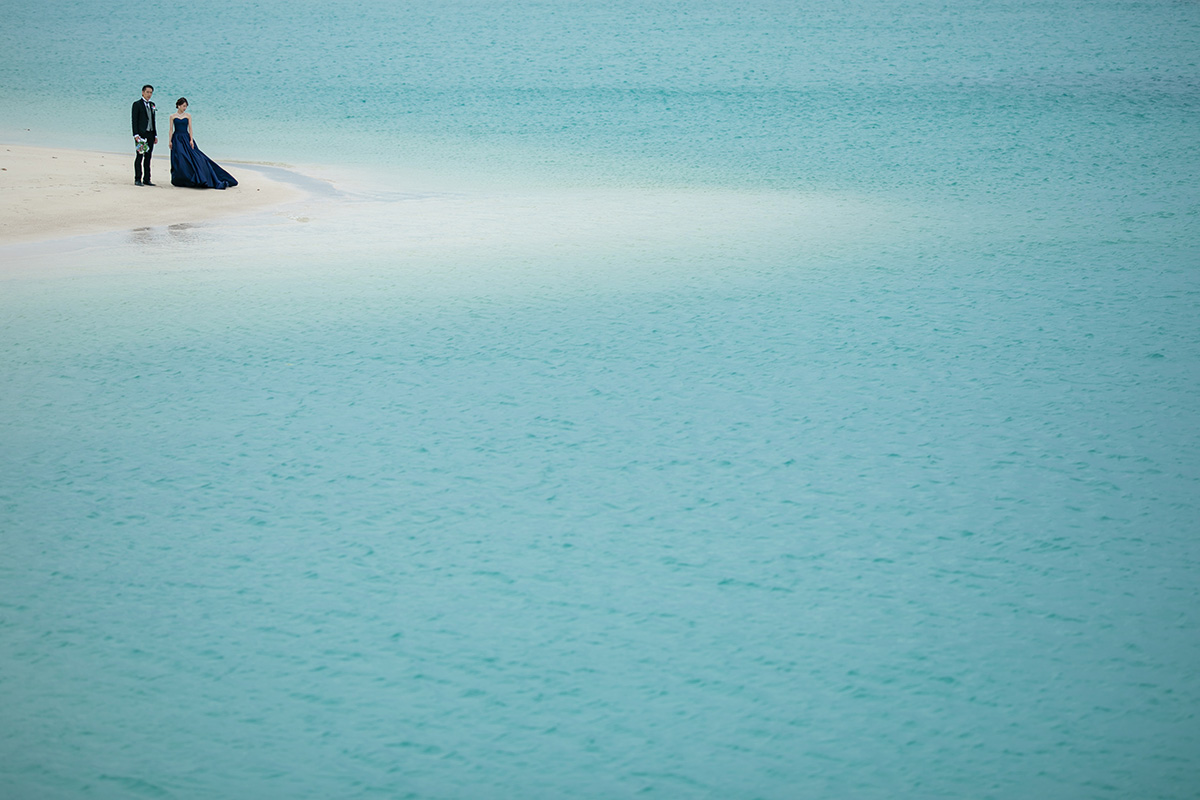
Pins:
x: 56, y: 193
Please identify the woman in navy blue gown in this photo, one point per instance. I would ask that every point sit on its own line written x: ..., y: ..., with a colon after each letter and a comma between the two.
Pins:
x: 190, y: 167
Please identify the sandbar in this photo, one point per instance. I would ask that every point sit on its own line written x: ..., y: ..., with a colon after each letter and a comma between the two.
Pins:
x: 48, y: 193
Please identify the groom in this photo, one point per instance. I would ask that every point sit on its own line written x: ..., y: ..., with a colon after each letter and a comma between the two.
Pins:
x: 144, y: 129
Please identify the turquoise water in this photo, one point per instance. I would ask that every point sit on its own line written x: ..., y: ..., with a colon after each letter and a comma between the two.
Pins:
x: 797, y: 400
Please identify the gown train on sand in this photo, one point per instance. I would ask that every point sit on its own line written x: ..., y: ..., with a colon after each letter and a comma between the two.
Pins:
x: 190, y: 167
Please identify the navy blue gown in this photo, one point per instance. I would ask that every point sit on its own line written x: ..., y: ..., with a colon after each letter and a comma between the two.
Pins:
x: 190, y: 167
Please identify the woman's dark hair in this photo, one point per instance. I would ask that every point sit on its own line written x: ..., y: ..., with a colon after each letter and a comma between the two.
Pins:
x: 180, y: 102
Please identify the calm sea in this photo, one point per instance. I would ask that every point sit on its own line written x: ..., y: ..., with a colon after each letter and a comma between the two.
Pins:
x: 679, y: 399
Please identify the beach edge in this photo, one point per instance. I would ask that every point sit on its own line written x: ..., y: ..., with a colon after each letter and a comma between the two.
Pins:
x: 56, y: 193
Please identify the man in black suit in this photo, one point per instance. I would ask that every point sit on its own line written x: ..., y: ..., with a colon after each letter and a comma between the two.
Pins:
x: 144, y: 128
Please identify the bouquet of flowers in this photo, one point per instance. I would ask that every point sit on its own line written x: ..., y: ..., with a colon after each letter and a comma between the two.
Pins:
x: 142, y: 144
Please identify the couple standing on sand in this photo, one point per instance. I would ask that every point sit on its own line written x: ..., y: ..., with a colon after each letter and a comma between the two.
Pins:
x: 189, y: 167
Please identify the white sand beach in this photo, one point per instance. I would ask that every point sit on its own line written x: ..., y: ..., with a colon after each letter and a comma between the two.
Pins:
x: 49, y: 193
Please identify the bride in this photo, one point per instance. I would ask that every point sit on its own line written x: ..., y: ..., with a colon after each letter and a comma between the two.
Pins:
x: 190, y: 167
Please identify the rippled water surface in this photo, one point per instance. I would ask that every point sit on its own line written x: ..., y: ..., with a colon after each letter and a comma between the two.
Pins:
x: 789, y: 400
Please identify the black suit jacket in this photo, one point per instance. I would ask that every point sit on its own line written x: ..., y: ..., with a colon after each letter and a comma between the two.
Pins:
x: 143, y: 123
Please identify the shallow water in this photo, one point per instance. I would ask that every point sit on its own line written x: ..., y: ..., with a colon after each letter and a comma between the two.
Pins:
x: 853, y: 458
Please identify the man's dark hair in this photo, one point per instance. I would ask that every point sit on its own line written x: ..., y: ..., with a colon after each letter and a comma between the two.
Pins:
x: 147, y: 86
